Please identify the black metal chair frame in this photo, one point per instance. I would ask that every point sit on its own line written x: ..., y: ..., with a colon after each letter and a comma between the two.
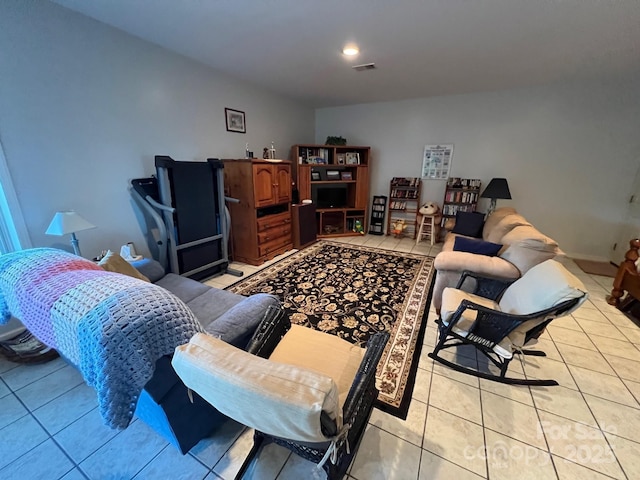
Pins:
x: 491, y: 327
x: 356, y: 410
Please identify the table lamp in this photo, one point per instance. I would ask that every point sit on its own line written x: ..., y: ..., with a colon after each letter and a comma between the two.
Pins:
x: 68, y: 222
x: 497, y: 188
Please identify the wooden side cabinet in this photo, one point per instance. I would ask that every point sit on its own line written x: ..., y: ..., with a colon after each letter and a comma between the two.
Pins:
x: 261, y: 221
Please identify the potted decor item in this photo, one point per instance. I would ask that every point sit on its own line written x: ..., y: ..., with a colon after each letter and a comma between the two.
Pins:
x: 335, y: 141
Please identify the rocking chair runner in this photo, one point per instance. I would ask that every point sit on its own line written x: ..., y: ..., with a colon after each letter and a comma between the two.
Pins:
x: 313, y: 395
x: 499, y: 330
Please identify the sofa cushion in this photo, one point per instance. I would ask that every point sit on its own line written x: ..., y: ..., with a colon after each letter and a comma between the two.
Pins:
x: 184, y: 288
x: 524, y: 258
x: 469, y: 224
x: 493, y: 219
x: 473, y: 245
x: 149, y: 268
x: 528, y: 236
x: 245, y: 387
x: 113, y: 262
x: 504, y: 226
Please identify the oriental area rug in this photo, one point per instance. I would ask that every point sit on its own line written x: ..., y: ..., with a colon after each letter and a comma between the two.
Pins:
x: 354, y: 291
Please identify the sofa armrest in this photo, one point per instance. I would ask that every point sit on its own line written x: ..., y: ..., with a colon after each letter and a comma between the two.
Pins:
x: 450, y: 266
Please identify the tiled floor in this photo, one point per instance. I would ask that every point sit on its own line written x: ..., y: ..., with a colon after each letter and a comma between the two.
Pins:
x: 458, y: 427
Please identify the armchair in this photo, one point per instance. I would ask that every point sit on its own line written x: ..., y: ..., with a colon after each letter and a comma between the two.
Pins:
x: 501, y: 329
x: 313, y: 394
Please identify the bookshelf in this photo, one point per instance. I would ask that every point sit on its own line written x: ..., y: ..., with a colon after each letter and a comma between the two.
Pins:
x: 336, y: 179
x: 404, y: 202
x: 461, y: 195
x: 376, y: 224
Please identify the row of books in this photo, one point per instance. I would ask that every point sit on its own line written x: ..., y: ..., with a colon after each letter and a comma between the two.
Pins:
x: 397, y: 205
x: 461, y: 197
x: 451, y: 210
x: 412, y: 182
x: 456, y: 182
x: 400, y: 193
x: 316, y: 156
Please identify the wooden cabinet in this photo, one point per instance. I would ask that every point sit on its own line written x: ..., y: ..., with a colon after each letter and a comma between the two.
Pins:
x: 404, y: 203
x: 261, y: 221
x: 336, y: 179
x: 272, y: 183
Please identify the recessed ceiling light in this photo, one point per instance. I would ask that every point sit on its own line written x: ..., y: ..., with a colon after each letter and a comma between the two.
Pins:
x: 350, y: 50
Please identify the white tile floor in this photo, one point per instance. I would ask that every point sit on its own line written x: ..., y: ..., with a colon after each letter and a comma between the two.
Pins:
x: 457, y: 427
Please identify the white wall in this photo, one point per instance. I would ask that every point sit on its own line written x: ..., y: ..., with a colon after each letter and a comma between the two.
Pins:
x: 570, y: 152
x: 84, y: 108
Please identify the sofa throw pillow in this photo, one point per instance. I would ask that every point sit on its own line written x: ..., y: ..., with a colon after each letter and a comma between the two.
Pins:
x: 473, y: 245
x: 112, y: 262
x: 469, y: 224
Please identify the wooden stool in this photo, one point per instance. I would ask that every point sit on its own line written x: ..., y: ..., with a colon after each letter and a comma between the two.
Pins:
x: 427, y: 228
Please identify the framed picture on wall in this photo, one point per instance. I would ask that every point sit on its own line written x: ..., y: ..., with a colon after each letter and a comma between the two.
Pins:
x: 235, y: 121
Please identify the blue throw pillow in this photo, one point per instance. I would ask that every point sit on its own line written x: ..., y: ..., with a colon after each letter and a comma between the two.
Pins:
x: 469, y: 224
x: 471, y: 245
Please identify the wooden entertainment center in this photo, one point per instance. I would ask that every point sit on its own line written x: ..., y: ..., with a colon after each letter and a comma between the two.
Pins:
x: 336, y: 179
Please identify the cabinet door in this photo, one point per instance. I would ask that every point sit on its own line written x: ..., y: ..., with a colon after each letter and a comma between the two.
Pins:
x: 283, y: 183
x: 263, y: 185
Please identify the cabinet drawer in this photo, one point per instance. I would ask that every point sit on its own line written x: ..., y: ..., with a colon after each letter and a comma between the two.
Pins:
x: 272, y: 221
x: 274, y: 233
x: 273, y: 245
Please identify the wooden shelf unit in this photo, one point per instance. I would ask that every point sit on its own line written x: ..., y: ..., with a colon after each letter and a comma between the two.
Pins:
x: 339, y: 190
x: 261, y: 221
x: 404, y: 203
x: 461, y: 195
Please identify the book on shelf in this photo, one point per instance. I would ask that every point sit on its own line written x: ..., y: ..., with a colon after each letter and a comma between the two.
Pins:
x: 467, y: 183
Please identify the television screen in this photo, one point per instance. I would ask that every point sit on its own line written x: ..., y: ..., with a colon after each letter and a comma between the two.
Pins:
x: 330, y: 197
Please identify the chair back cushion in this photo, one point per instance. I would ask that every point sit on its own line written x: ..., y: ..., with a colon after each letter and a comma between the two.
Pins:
x: 543, y: 286
x: 278, y: 399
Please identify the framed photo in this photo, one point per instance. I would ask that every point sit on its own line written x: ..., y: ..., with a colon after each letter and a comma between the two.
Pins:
x: 341, y: 158
x: 346, y: 176
x: 436, y: 161
x: 315, y: 176
x: 333, y: 174
x: 235, y: 121
x: 352, y: 158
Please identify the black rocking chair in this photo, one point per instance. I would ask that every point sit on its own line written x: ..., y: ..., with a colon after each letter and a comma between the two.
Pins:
x: 330, y: 442
x: 504, y: 328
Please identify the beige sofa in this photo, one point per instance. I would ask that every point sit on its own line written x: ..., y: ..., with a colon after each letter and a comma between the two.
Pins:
x: 523, y: 247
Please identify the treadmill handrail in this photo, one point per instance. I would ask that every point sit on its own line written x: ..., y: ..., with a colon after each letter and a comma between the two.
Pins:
x: 158, y: 205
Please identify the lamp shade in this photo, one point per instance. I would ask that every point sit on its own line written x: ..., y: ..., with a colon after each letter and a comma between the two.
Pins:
x: 497, y: 188
x: 67, y: 222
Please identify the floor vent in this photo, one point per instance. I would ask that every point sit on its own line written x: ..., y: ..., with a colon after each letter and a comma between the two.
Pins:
x: 364, y: 66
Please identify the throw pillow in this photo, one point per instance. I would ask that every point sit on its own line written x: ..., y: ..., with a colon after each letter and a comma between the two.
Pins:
x: 112, y: 262
x: 469, y: 224
x: 472, y: 245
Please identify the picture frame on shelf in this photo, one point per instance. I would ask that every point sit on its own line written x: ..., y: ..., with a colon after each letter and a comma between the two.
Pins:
x: 352, y: 158
x: 235, y: 120
x: 315, y: 176
x: 346, y: 175
x: 341, y: 158
x: 333, y: 174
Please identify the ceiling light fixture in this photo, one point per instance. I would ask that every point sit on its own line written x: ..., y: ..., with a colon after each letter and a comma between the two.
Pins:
x: 350, y: 50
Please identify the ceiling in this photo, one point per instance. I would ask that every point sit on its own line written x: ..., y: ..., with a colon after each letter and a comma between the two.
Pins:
x: 421, y: 48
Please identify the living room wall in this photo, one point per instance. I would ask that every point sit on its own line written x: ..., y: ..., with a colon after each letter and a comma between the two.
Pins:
x: 84, y: 108
x: 569, y: 151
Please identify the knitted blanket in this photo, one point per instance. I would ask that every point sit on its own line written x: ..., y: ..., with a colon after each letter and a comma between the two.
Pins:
x: 112, y: 327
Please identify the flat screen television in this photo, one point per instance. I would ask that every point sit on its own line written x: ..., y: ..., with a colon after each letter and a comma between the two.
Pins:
x: 328, y: 196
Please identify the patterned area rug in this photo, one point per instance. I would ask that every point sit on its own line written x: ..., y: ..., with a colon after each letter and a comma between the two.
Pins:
x: 354, y: 291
